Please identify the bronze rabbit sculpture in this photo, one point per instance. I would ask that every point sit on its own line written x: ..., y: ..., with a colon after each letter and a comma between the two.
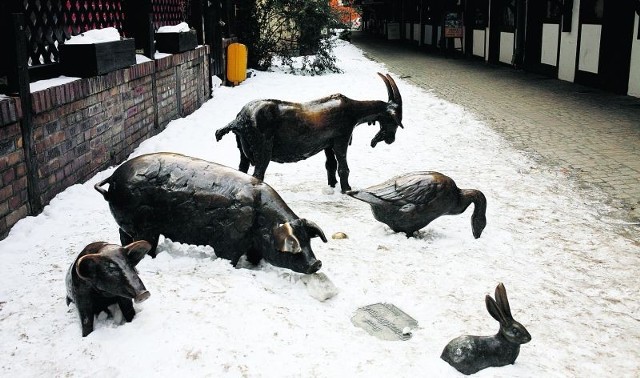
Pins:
x: 470, y: 354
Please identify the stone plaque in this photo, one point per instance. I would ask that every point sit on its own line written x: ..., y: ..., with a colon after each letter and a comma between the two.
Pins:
x: 384, y: 321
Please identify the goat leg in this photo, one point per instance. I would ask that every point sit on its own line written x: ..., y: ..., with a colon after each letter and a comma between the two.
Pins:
x: 331, y: 165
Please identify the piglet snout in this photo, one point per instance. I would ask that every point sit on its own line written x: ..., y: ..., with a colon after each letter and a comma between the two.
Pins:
x: 142, y: 296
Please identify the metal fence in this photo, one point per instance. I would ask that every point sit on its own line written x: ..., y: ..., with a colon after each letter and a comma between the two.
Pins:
x: 50, y: 22
x: 44, y: 25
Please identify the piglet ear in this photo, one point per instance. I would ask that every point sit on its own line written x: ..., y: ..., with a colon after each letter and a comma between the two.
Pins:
x: 285, y: 240
x: 136, y: 251
x: 87, y: 267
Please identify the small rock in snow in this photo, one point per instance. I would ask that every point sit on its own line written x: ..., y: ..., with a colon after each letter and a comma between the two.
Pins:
x: 339, y: 235
x: 319, y: 286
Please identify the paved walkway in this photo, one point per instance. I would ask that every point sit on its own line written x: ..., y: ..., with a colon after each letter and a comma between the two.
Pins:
x: 590, y: 135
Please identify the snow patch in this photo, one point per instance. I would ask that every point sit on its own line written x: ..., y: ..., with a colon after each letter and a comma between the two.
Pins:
x: 179, y: 28
x: 95, y: 36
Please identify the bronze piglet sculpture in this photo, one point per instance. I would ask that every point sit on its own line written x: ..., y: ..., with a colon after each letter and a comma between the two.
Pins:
x: 104, y: 274
x: 470, y: 354
x: 409, y: 202
x: 286, y: 132
x: 198, y: 202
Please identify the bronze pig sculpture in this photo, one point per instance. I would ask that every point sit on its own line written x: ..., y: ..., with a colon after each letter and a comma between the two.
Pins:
x: 470, y: 354
x: 198, y: 202
x: 286, y: 132
x: 104, y: 274
x: 409, y: 202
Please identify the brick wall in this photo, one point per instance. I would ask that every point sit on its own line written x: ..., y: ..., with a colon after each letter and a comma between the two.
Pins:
x: 87, y: 125
x: 13, y: 169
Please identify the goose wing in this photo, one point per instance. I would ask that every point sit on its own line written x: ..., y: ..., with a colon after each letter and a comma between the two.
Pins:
x: 419, y: 188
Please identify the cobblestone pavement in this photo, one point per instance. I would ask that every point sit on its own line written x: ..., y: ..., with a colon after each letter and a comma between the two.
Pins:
x: 589, y: 135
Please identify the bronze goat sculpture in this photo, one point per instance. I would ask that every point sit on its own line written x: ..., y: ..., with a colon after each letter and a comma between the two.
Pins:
x: 285, y: 132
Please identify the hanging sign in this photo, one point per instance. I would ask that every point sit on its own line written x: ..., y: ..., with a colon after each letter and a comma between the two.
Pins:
x: 452, y: 26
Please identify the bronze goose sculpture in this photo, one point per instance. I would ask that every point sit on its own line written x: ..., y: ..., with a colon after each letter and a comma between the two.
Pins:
x: 409, y: 202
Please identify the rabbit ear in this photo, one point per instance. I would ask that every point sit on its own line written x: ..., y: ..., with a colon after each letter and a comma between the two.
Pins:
x: 503, y: 301
x: 493, y: 309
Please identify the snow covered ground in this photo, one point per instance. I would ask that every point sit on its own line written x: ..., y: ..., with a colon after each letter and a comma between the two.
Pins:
x: 571, y: 280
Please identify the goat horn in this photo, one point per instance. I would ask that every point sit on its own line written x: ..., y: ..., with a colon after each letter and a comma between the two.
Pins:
x: 396, y: 92
x: 389, y: 89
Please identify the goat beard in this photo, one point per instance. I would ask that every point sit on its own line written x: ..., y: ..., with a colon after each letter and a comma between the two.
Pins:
x: 378, y: 138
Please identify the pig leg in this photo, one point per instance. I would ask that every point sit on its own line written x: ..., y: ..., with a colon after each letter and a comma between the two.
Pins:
x: 86, y: 318
x: 153, y: 240
x: 331, y: 165
x: 126, y: 306
x: 125, y: 239
x: 236, y: 257
x: 254, y: 256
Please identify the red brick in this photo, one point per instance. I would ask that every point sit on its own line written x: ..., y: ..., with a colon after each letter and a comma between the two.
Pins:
x: 4, y: 209
x: 20, y: 185
x: 8, y: 176
x: 21, y: 169
x: 15, y: 216
x: 15, y: 202
x: 5, y: 193
x: 15, y: 157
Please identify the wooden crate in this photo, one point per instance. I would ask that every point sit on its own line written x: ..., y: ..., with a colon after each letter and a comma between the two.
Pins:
x: 98, y: 58
x: 173, y: 43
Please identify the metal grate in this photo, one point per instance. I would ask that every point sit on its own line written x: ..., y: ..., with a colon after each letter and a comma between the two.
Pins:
x: 170, y: 12
x: 51, y: 22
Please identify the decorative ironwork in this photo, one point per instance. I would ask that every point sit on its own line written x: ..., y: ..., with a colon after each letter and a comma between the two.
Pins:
x: 51, y: 22
x: 170, y: 12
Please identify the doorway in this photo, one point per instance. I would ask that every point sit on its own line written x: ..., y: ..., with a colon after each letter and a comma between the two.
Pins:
x: 604, y: 44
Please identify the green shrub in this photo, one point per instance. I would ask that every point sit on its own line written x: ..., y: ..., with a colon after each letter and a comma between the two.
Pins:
x: 287, y: 29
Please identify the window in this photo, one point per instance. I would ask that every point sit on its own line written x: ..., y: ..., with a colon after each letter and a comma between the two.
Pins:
x: 480, y: 14
x: 553, y: 11
x: 591, y: 11
x: 509, y: 16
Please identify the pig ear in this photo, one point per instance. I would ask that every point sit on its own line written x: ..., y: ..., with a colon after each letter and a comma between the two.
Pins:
x: 87, y: 267
x: 136, y: 251
x: 314, y: 230
x: 285, y: 240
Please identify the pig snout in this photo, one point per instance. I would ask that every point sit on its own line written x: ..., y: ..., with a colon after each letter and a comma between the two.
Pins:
x: 306, y: 265
x: 314, y: 267
x: 303, y: 262
x: 134, y: 287
x: 143, y: 296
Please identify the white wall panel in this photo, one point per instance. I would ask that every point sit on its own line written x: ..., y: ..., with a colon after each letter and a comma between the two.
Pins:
x: 550, y: 44
x: 568, y: 48
x: 393, y: 30
x: 416, y: 32
x: 589, y: 48
x: 478, y: 42
x: 506, y: 47
x: 428, y: 34
x: 634, y: 74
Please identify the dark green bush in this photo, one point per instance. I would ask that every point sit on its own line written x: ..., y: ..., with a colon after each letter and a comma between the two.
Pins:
x: 287, y: 29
